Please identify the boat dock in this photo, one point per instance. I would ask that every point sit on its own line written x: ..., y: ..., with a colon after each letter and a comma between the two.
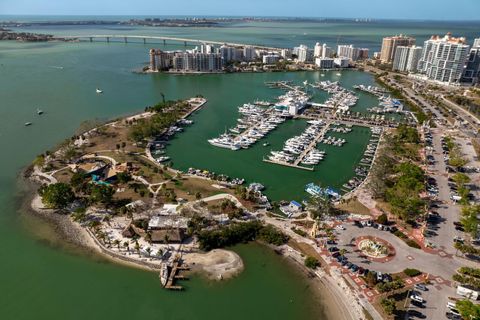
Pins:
x: 313, y: 144
x: 280, y: 84
x: 175, y: 275
x: 196, y: 103
x: 287, y: 164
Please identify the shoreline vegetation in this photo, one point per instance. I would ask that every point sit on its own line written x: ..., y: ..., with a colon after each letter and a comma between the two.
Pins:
x: 107, y: 190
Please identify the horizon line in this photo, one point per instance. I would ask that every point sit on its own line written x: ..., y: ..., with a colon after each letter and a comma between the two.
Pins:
x: 241, y: 16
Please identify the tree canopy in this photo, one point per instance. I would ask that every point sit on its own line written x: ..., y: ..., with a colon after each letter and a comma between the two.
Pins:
x: 57, y: 195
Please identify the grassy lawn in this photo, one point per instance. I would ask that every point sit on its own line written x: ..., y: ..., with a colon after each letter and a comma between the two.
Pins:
x: 353, y: 206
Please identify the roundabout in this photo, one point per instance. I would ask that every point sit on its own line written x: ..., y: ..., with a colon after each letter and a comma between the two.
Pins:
x: 375, y: 248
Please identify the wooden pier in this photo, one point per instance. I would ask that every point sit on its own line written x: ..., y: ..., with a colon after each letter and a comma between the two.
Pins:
x: 174, y: 275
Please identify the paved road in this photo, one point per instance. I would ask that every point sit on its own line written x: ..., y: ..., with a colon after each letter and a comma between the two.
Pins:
x: 406, y: 257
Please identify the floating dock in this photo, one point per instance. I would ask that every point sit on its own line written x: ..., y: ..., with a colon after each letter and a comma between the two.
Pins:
x: 313, y: 144
x: 282, y: 163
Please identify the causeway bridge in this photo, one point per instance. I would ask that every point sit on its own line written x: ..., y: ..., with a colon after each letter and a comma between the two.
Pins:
x: 186, y: 41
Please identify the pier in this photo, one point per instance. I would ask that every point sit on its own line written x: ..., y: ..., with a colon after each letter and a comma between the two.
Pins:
x: 286, y: 164
x: 174, y: 275
x: 313, y: 144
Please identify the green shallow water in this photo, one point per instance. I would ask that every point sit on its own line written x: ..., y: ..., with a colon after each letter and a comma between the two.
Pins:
x: 42, y: 279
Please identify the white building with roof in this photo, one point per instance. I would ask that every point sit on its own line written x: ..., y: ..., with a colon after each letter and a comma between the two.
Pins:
x: 443, y: 58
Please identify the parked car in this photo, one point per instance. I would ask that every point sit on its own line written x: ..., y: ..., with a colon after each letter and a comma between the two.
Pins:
x: 458, y: 239
x: 452, y: 316
x: 417, y: 298
x: 387, y: 277
x: 344, y: 262
x: 333, y: 249
x: 335, y: 254
x: 420, y: 286
x: 416, y: 314
x: 348, y: 265
x: 340, y: 227
x: 379, y: 276
x: 331, y: 241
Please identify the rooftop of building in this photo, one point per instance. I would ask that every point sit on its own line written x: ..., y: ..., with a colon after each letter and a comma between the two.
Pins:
x: 448, y: 38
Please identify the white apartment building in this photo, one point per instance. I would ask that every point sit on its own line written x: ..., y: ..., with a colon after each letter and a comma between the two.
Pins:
x: 325, y: 63
x: 443, y: 59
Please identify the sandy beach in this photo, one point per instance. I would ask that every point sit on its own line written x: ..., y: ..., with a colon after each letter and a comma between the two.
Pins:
x: 217, y: 264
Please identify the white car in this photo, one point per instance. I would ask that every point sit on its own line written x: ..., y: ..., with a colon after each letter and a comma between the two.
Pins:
x: 416, y: 298
x: 451, y: 305
x: 340, y: 227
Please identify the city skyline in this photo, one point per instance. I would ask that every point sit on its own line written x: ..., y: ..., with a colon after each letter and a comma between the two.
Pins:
x: 373, y: 9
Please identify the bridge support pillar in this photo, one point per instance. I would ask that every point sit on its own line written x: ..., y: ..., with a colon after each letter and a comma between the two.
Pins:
x: 144, y: 40
x: 91, y: 39
x: 125, y: 39
x: 164, y: 42
x: 108, y: 39
x: 185, y: 43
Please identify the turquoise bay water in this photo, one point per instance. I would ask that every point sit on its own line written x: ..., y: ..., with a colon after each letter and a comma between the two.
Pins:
x: 42, y: 280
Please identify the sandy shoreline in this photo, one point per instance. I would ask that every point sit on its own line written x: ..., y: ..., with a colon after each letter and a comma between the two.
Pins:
x: 218, y: 264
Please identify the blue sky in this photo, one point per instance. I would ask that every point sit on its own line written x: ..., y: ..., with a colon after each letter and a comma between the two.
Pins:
x: 387, y: 9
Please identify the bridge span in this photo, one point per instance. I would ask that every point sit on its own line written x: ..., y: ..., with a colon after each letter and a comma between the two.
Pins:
x: 185, y: 41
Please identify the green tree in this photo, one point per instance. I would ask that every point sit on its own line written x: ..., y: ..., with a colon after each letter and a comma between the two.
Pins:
x: 124, y: 177
x: 382, y: 219
x: 311, y: 262
x: 78, y: 181
x: 469, y: 219
x: 57, y: 195
x: 320, y: 206
x: 101, y: 194
x: 388, y: 305
x: 468, y: 309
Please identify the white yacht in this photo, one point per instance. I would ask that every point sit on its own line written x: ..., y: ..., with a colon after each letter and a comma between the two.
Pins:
x: 99, y: 91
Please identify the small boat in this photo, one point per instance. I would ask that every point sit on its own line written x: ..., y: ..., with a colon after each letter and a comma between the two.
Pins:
x: 28, y: 124
x: 266, y: 144
x: 99, y: 91
x: 322, y: 75
x: 339, y: 74
x: 39, y: 112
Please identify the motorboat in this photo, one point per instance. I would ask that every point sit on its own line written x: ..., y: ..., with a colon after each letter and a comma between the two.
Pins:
x: 98, y: 90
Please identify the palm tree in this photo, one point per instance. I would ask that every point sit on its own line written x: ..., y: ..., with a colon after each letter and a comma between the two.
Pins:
x: 137, y: 247
x: 343, y: 251
x: 160, y: 252
x: 149, y: 251
x: 117, y: 243
x: 319, y: 206
x: 127, y: 246
x: 148, y: 237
